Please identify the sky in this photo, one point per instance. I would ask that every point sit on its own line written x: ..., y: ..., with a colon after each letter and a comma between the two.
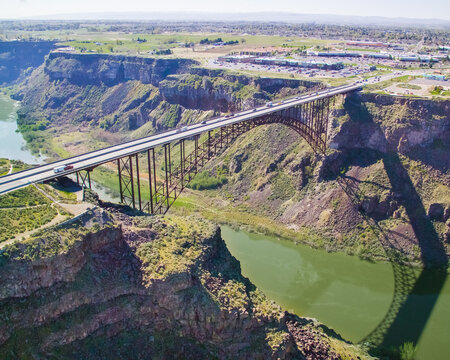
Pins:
x: 388, y: 8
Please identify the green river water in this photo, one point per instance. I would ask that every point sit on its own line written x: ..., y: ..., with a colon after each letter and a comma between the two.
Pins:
x: 350, y: 295
x: 12, y: 144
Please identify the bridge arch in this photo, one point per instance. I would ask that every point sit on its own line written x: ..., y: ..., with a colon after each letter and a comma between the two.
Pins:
x: 309, y: 120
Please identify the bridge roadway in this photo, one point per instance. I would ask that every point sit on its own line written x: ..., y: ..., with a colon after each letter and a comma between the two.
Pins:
x: 92, y: 159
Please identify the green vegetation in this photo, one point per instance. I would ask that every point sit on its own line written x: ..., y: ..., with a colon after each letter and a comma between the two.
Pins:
x: 205, y: 181
x: 27, y: 209
x: 177, y: 247
x: 282, y: 186
x: 103, y: 42
x: 409, y: 86
x: 4, y: 166
x: 384, y: 84
x: 407, y: 351
x: 47, y: 242
x: 16, y: 165
x: 439, y: 91
x: 24, y: 197
x: 59, y: 192
x: 16, y: 221
x: 207, y: 41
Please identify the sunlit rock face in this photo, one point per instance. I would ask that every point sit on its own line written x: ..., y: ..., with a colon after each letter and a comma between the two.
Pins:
x: 111, y: 69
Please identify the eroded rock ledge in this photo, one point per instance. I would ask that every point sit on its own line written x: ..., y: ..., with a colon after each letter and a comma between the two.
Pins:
x: 133, y: 287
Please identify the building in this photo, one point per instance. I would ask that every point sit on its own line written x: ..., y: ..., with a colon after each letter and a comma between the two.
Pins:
x: 264, y: 51
x: 434, y: 77
x: 418, y: 58
x: 378, y: 56
x: 339, y: 54
x: 408, y: 58
x: 65, y: 49
x: 298, y: 63
x: 237, y: 58
x: 367, y: 43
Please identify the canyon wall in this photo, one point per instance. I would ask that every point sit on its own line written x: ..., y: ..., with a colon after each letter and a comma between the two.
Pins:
x: 161, y: 287
x: 17, y: 56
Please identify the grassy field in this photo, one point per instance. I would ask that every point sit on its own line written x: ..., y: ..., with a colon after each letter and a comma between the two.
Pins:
x: 100, y: 41
x: 384, y: 84
x: 6, y: 164
x: 409, y: 86
x: 27, y: 209
x: 15, y: 221
x: 24, y: 210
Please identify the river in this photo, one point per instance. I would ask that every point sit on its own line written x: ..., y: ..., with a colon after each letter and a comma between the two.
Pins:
x: 345, y: 293
x: 350, y: 295
x: 12, y: 144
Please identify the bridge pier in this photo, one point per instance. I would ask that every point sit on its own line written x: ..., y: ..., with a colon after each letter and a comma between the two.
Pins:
x: 126, y: 180
x: 84, y: 180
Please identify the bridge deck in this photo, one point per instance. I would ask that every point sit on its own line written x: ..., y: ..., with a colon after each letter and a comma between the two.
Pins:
x: 98, y: 157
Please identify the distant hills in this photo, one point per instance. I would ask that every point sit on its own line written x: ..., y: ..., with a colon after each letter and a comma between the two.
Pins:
x: 251, y: 17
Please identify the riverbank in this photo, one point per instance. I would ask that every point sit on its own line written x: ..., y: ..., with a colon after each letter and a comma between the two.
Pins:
x: 366, y: 302
x: 224, y: 213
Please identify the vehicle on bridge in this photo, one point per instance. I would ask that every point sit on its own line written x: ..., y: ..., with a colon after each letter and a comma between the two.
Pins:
x: 181, y: 129
x: 59, y: 169
x: 269, y: 104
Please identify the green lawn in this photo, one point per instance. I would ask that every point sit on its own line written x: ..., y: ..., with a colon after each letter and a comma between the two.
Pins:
x: 109, y: 42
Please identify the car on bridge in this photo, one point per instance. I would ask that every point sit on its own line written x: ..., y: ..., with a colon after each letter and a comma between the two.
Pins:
x: 59, y: 169
x: 269, y: 104
x: 181, y: 129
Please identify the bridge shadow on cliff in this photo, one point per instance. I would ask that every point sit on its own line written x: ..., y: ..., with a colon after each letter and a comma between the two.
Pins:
x: 415, y: 291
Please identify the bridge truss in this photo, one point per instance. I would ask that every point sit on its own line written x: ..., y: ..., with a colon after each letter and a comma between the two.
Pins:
x: 309, y: 120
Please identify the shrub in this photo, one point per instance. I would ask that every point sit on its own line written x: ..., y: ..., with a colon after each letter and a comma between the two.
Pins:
x: 407, y: 351
x: 204, y: 181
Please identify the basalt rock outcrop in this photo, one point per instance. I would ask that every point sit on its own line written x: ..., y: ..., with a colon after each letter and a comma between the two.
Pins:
x: 84, y: 69
x: 130, y: 287
x: 388, y: 163
x: 396, y: 124
x: 124, y: 93
x: 19, y: 56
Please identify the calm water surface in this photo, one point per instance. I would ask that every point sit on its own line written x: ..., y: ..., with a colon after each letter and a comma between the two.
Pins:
x: 347, y: 294
x: 12, y: 144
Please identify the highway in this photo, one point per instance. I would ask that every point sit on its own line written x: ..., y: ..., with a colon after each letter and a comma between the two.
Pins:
x: 92, y: 159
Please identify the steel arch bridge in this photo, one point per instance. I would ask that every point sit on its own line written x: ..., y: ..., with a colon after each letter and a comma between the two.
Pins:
x: 308, y: 115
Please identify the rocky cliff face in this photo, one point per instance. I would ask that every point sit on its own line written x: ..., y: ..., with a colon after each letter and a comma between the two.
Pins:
x: 388, y: 162
x: 86, y: 69
x: 386, y: 123
x: 220, y: 91
x: 122, y: 94
x: 17, y: 56
x: 165, y: 288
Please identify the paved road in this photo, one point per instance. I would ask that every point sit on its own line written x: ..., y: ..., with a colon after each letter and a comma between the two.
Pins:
x: 98, y: 157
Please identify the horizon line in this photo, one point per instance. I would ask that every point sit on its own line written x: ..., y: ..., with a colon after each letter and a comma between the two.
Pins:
x: 78, y: 15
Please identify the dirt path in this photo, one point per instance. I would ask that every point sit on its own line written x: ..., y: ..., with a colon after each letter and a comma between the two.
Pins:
x: 10, y: 169
x: 73, y: 209
x: 56, y: 220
